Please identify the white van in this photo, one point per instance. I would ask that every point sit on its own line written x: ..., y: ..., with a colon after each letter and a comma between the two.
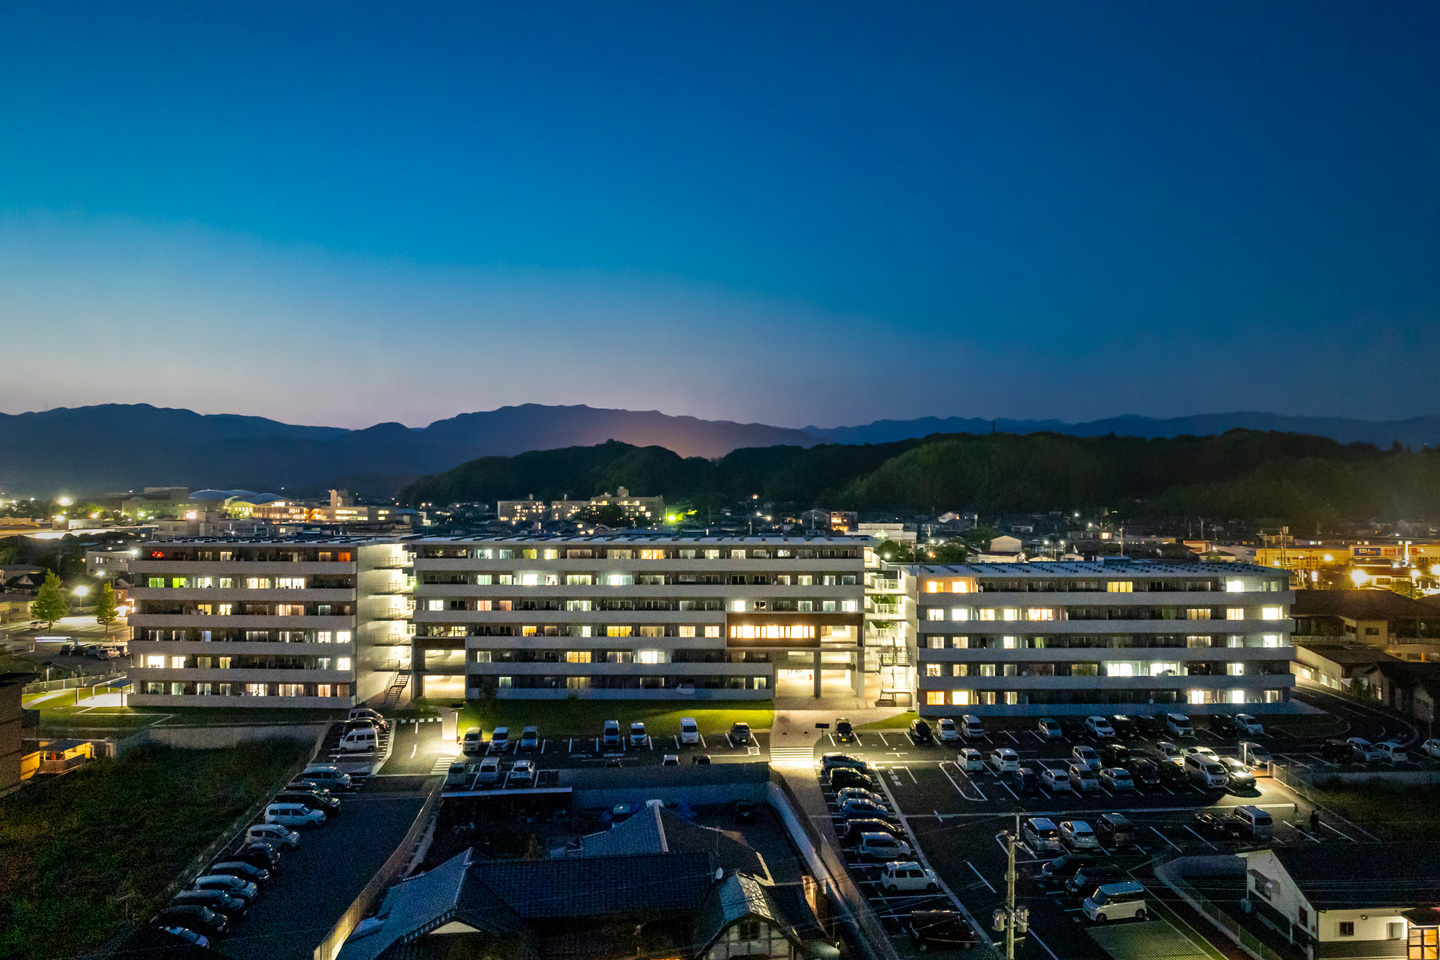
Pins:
x: 689, y: 731
x: 970, y: 760
x: 1249, y: 725
x: 359, y: 740
x: 489, y: 770
x: 971, y: 727
x: 882, y: 846
x: 1004, y: 760
x: 907, y: 876
x: 1369, y: 752
x: 327, y: 774
x: 1179, y: 725
x: 293, y: 815
x: 273, y: 833
x: 1040, y: 835
x: 1254, y: 822
x: 1116, y: 901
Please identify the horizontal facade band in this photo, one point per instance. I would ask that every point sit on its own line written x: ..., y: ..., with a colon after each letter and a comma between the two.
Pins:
x: 1254, y: 681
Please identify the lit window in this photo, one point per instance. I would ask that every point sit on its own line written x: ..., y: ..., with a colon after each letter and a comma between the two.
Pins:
x: 1234, y: 586
x: 932, y: 586
x: 960, y: 698
x: 851, y: 606
x: 177, y: 663
x: 1270, y: 613
x: 652, y: 554
x: 935, y: 698
x: 619, y: 631
x: 712, y: 631
x: 157, y: 661
x: 987, y: 613
x: 342, y: 636
x: 1271, y: 640
x: 1009, y: 643
x: 687, y: 631
x: 1010, y: 613
x: 342, y: 663
x: 1119, y: 669
x: 933, y: 670
x: 1119, y: 586
x: 1234, y: 613
x: 435, y: 606
x: 577, y: 656
x: 959, y: 613
x: 1040, y: 613
x: 651, y: 657
x: 737, y: 606
x: 959, y: 586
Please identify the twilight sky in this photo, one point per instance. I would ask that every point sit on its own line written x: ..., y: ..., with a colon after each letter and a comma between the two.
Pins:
x: 349, y: 213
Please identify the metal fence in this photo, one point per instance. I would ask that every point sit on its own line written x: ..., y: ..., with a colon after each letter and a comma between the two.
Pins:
x: 70, y: 683
x: 1218, y: 916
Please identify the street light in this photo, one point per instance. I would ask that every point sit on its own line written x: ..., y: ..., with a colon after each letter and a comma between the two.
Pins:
x: 81, y: 591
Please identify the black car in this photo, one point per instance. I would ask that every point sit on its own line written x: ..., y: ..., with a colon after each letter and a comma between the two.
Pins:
x: 830, y: 761
x: 920, y: 731
x: 1215, y: 826
x: 1125, y: 727
x: 701, y: 758
x: 1091, y: 875
x: 851, y: 830
x: 224, y: 903
x: 1063, y: 868
x: 1339, y: 751
x: 1151, y: 724
x: 844, y: 732
x: 941, y: 929
x: 241, y: 869
x: 200, y: 919
x: 259, y: 854
x: 313, y: 799
x: 841, y: 777
x: 1113, y: 754
x: 1224, y: 725
x: 1144, y: 772
x: 1171, y: 773
x: 1025, y: 780
x: 740, y: 733
x: 1115, y: 831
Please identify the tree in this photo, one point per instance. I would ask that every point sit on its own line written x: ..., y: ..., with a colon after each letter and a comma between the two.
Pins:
x: 50, y: 602
x: 105, y: 608
x: 948, y: 553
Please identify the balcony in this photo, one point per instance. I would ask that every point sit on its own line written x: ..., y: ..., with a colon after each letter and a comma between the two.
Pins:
x: 885, y: 609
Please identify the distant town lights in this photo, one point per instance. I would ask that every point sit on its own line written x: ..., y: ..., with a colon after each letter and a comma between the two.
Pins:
x: 65, y: 501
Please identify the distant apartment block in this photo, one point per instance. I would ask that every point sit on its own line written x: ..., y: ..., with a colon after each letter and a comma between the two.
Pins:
x: 640, y: 615
x: 1099, y: 637
x: 530, y: 510
x: 286, y: 622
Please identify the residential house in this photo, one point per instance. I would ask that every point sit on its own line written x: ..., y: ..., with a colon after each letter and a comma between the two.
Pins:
x: 1402, y: 627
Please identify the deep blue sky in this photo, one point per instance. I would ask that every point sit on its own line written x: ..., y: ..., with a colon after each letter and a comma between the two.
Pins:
x: 779, y: 212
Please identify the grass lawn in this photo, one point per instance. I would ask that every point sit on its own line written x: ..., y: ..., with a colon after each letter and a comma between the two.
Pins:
x: 72, y: 847
x: 901, y: 721
x: 1390, y: 811
x: 1305, y: 726
x: 587, y: 717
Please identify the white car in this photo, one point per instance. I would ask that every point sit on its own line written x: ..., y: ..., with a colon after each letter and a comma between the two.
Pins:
x: 946, y: 730
x: 1369, y: 753
x: 909, y: 877
x: 1086, y: 756
x: 1040, y: 835
x: 970, y: 760
x: 1392, y: 752
x: 1099, y: 727
x: 1431, y: 749
x: 523, y: 772
x: 1248, y: 725
x: 1205, y: 752
x: 637, y: 735
x: 273, y: 833
x: 1004, y: 760
x: 1083, y: 778
x: 1050, y: 729
x: 1077, y: 835
x: 1055, y: 781
x: 293, y: 815
x: 689, y: 732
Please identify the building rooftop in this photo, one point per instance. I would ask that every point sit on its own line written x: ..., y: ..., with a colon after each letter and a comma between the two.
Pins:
x: 1353, y: 876
x: 1120, y: 568
x: 1361, y: 605
x: 650, y: 536
x: 271, y: 541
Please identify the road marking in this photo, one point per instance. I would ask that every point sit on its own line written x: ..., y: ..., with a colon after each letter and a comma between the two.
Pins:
x: 413, y: 747
x: 1336, y: 832
x: 1198, y: 837
x: 978, y: 874
x: 1008, y: 790
x: 1037, y: 736
x: 1011, y: 736
x: 1166, y: 839
x: 1042, y: 943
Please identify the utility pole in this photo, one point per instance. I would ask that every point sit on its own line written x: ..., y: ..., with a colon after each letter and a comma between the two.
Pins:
x: 1011, y: 920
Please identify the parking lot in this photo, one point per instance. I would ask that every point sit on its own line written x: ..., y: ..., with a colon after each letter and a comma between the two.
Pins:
x: 958, y: 820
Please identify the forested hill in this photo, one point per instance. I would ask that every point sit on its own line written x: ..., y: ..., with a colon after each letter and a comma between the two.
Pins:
x: 1243, y: 474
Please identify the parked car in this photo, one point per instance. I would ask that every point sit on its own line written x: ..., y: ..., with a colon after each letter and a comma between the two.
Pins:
x: 327, y: 775
x: 1248, y: 725
x: 1085, y: 756
x: 946, y: 730
x: 971, y: 727
x: 1024, y: 781
x: 858, y: 793
x: 670, y: 760
x: 1205, y: 752
x: 1179, y: 725
x: 1117, y: 780
x: 1339, y: 751
x: 1164, y: 751
x: 1078, y: 835
x: 830, y: 761
x: 1055, y: 780
x: 1091, y: 876
x: 231, y: 906
x: 1083, y: 779
x: 522, y: 774
x: 321, y: 799
x: 261, y: 855
x: 851, y: 831
x: 1143, y: 772
x: 740, y: 733
x: 360, y: 723
x: 1206, y: 773
x: 1254, y: 754
x: 530, y: 739
x: 907, y: 876
x: 920, y: 731
x: 1431, y: 749
x: 458, y: 774
x: 842, y: 777
x: 1150, y: 724
x: 1115, y: 830
x: 882, y: 846
x: 187, y: 935
x: 293, y: 815
x: 611, y: 739
x: 1116, y: 901
x: 488, y: 771
x: 1366, y: 750
x: 844, y: 731
x: 1171, y: 774
x: 701, y: 758
x: 361, y: 740
x: 1215, y: 826
x: 638, y: 736
x: 1253, y: 822
x: 367, y: 713
x: 273, y: 832
x: 689, y: 732
x: 499, y: 739
x: 239, y: 868
x: 1062, y: 868
x: 940, y: 930
x: 201, y: 919
x: 225, y: 883
x: 1125, y: 727
x: 1004, y: 760
x: 472, y: 742
x: 1040, y: 834
x: 1099, y: 728
x: 970, y: 760
x: 1114, y: 754
x: 1222, y: 724
x: 1049, y: 728
x: 855, y: 809
x: 1392, y: 752
x: 1238, y: 775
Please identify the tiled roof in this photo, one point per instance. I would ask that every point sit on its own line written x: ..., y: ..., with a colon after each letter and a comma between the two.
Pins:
x: 1352, y: 876
x: 592, y: 886
x: 1361, y: 605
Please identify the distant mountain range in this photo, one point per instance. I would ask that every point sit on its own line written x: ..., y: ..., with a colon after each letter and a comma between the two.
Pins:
x: 1416, y: 432
x: 93, y: 450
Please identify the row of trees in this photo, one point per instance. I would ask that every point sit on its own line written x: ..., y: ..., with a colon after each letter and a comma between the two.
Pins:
x: 52, y: 603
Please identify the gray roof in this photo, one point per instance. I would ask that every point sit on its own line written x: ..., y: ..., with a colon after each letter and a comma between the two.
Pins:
x: 1361, y: 605
x: 1123, y: 567
x: 1352, y: 876
x: 412, y: 907
x: 658, y: 830
x: 737, y: 897
x: 595, y: 886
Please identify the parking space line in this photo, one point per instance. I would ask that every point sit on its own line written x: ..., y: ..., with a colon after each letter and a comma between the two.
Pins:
x: 1200, y: 838
x: 702, y: 741
x: 1008, y: 790
x: 1337, y: 832
x: 883, y: 740
x: 1166, y: 839
x: 1012, y: 736
x: 981, y: 876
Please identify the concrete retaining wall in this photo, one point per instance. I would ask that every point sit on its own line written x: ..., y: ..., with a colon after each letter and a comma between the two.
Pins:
x: 209, y: 738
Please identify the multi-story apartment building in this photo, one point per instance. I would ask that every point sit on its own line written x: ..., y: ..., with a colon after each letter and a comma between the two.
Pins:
x: 639, y: 509
x: 285, y: 622
x: 639, y: 615
x: 1099, y: 637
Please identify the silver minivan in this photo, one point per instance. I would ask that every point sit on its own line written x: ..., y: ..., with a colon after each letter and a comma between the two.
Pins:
x: 293, y: 815
x: 1116, y: 901
x: 1254, y: 822
x: 882, y: 846
x: 1206, y: 773
x: 1179, y: 725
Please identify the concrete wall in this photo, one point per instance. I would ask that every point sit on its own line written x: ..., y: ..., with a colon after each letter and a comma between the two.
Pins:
x: 212, y: 737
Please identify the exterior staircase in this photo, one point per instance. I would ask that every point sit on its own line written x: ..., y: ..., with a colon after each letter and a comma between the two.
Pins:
x: 396, y: 691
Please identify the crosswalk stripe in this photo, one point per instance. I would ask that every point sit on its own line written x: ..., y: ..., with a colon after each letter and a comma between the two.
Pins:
x: 792, y: 754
